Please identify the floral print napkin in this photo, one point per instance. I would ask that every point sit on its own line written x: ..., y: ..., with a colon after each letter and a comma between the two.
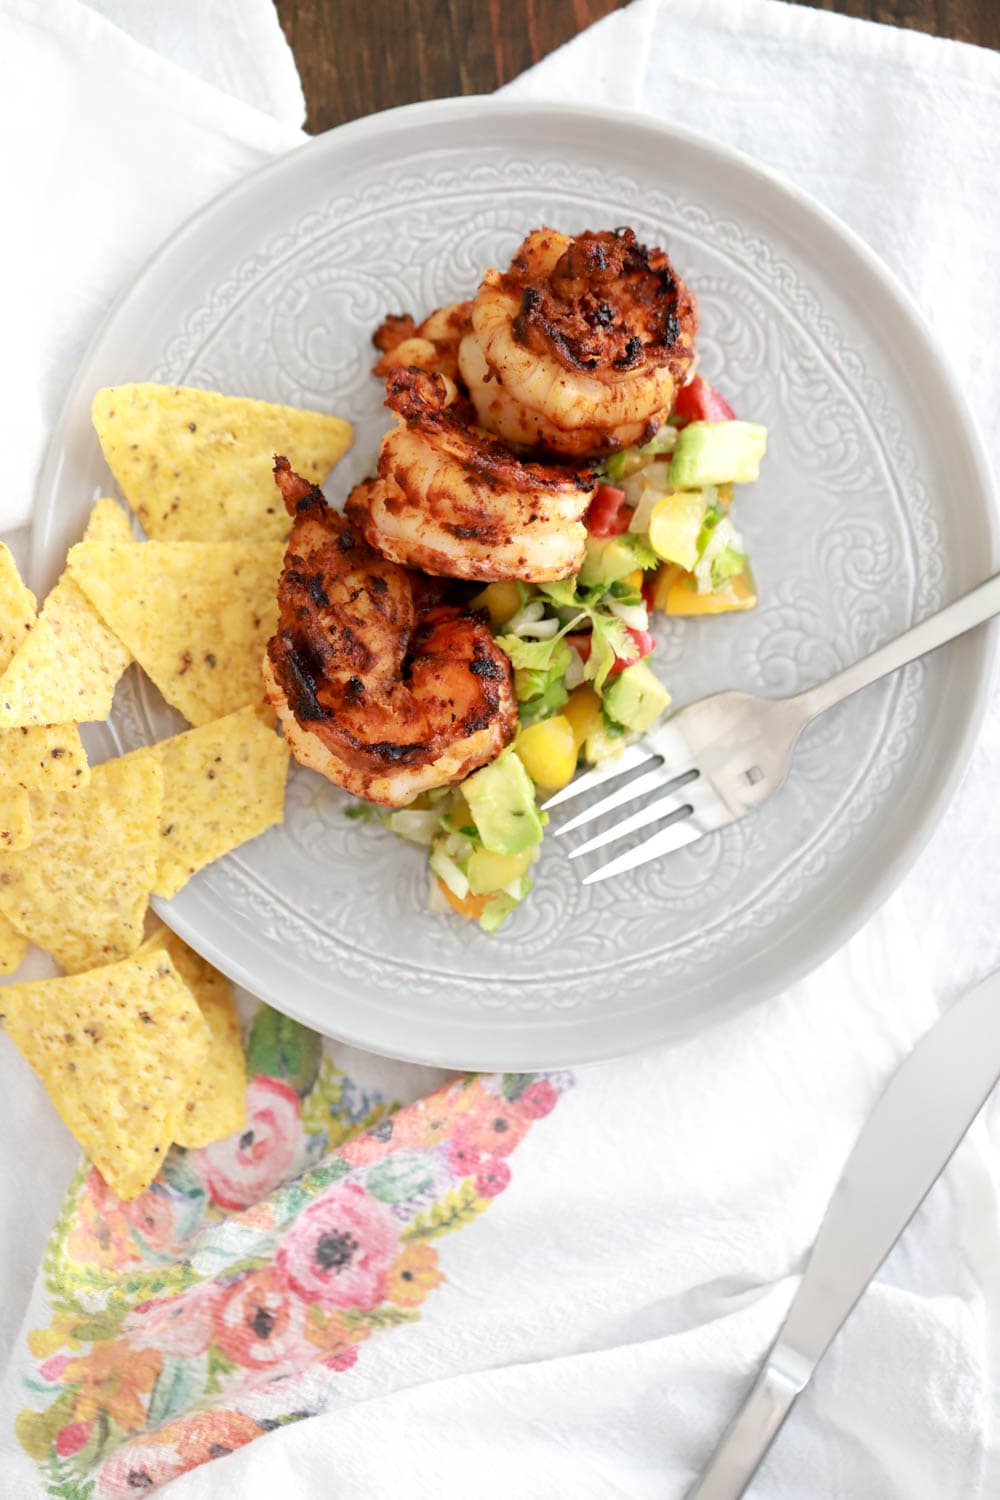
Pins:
x: 232, y: 1296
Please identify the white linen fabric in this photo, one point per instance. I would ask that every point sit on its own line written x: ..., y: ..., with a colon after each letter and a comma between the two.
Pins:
x: 599, y: 1326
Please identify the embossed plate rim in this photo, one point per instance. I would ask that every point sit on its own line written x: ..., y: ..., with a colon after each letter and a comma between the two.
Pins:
x: 506, y: 1040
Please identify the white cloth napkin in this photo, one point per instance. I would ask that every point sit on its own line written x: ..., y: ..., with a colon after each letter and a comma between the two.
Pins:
x: 112, y: 135
x: 600, y: 1324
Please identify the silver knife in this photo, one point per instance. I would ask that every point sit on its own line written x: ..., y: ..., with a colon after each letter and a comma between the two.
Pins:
x: 907, y: 1142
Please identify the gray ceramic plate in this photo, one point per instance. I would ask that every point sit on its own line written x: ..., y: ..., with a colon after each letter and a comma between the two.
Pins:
x: 873, y: 510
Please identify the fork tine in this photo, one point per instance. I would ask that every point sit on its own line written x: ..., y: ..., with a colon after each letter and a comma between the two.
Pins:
x: 650, y: 781
x: 635, y: 755
x: 677, y: 801
x: 674, y: 836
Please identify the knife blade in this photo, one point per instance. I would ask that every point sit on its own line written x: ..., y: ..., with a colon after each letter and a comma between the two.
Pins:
x: 907, y: 1141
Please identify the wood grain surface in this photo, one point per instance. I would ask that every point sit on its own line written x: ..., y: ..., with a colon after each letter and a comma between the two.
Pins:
x: 357, y: 56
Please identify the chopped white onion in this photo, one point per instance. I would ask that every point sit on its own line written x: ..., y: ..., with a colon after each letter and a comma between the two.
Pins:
x: 575, y: 673
x: 533, y: 610
x: 416, y: 824
x: 636, y: 616
x: 538, y: 630
x: 437, y: 901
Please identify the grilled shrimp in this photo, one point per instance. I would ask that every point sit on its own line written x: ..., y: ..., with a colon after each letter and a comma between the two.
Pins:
x: 580, y: 344
x: 431, y: 346
x: 454, y: 501
x: 379, y: 686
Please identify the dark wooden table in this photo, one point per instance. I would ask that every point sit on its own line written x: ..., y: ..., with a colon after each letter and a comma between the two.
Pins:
x: 357, y: 56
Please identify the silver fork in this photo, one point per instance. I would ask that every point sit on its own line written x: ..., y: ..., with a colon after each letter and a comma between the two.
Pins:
x: 720, y: 758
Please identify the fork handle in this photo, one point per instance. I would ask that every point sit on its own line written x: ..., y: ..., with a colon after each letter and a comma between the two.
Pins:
x: 955, y: 619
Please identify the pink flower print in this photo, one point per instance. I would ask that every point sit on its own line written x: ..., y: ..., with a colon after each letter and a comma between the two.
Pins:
x: 493, y: 1126
x: 136, y: 1468
x: 339, y: 1250
x: 211, y: 1434
x: 492, y: 1177
x: 154, y: 1218
x: 538, y: 1099
x: 342, y: 1360
x: 463, y: 1156
x: 149, y: 1463
x: 244, y: 1168
x: 372, y: 1145
x: 71, y: 1438
x: 260, y: 1324
x: 101, y: 1235
x: 176, y: 1325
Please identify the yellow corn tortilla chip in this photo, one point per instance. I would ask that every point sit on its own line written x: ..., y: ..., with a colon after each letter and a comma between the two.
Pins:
x: 217, y: 1106
x: 196, y: 466
x: 12, y: 947
x: 81, y: 888
x: 118, y: 1050
x: 222, y: 785
x: 108, y: 523
x: 17, y: 608
x: 45, y: 759
x: 68, y: 667
x: 15, y: 818
x: 195, y: 615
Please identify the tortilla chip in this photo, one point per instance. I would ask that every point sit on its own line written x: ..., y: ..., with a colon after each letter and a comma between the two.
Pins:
x: 12, y: 947
x: 17, y: 608
x: 222, y: 784
x: 67, y: 669
x: 108, y: 523
x: 218, y: 1103
x: 15, y: 818
x: 196, y: 466
x: 81, y: 888
x: 118, y: 1050
x: 195, y: 615
x: 44, y: 759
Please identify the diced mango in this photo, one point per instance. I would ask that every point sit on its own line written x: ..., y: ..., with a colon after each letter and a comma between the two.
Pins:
x: 675, y: 525
x: 676, y: 593
x: 501, y: 600
x: 583, y: 710
x: 548, y: 752
x: 490, y: 872
x: 634, y: 579
x: 467, y: 906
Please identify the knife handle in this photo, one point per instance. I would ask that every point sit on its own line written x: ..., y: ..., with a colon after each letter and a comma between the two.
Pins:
x: 754, y: 1428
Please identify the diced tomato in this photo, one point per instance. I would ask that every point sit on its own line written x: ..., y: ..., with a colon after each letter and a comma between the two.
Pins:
x: 641, y: 639
x: 608, y: 514
x: 649, y: 589
x: 700, y: 402
x: 644, y: 644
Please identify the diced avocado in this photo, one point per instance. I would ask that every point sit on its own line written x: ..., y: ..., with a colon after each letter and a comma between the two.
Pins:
x: 607, y: 560
x: 635, y: 698
x: 601, y: 744
x: 729, y: 564
x: 717, y: 453
x: 675, y: 526
x: 502, y: 801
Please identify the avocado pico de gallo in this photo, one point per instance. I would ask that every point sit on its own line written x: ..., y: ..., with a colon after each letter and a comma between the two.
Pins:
x: 660, y: 537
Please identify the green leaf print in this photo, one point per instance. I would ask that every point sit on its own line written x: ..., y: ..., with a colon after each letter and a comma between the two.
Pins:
x: 459, y: 1206
x: 179, y: 1383
x: 279, y: 1047
x: 219, y: 1365
x: 400, y: 1177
